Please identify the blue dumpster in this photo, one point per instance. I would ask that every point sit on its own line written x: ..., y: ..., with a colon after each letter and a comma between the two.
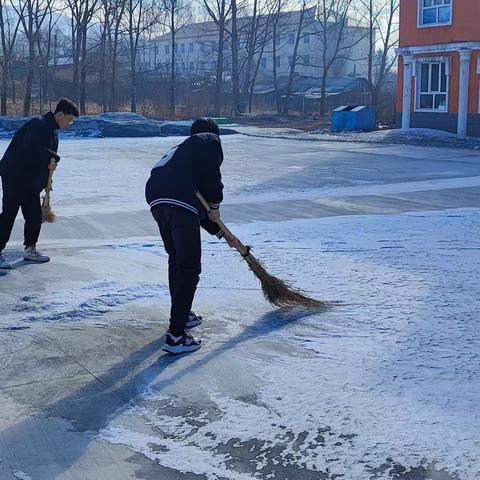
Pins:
x: 354, y: 117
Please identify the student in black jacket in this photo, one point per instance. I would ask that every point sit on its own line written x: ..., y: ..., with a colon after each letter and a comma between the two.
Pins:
x: 24, y: 169
x: 192, y: 166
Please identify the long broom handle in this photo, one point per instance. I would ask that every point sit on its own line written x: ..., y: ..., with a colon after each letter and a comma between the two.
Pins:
x: 244, y: 251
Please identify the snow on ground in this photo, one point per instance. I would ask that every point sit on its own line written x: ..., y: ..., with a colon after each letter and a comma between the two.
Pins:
x: 383, y: 386
x: 412, y: 136
x: 388, y: 378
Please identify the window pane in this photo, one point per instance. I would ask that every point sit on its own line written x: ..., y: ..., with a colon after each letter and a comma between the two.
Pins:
x: 443, y: 78
x: 435, y: 77
x: 441, y: 102
x: 444, y: 14
x: 426, y: 101
x: 437, y: 2
x: 424, y: 77
x: 427, y: 3
x: 430, y: 16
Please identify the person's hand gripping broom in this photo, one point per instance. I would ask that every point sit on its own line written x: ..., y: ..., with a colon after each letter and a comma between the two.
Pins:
x: 274, y: 290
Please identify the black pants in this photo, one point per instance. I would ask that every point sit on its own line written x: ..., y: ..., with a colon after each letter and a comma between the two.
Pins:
x: 16, y: 196
x: 180, y: 231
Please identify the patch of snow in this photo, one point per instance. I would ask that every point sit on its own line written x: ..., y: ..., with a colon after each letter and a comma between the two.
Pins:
x: 388, y: 378
x: 21, y: 475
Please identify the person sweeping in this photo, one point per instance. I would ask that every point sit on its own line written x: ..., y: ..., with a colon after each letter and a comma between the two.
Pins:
x: 192, y: 166
x: 26, y: 169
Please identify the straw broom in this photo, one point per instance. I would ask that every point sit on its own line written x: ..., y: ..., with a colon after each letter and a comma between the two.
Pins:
x: 48, y: 216
x: 275, y: 291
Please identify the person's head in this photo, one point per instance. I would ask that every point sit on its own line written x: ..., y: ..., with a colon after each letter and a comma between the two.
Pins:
x: 66, y: 112
x: 204, y: 125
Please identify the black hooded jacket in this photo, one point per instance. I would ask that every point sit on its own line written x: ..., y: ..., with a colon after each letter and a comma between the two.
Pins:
x: 30, y: 151
x: 192, y: 166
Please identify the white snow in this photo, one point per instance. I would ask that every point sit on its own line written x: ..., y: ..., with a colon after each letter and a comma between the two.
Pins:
x: 388, y: 377
x: 21, y: 475
x: 390, y: 374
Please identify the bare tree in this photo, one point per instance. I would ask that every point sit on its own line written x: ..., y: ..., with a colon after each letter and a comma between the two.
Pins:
x: 236, y: 109
x: 111, y: 15
x: 45, y: 47
x: 258, y: 34
x: 303, y: 23
x: 278, y: 27
x: 82, y: 13
x: 332, y: 21
x: 219, y: 11
x: 32, y: 14
x: 382, y: 38
x: 177, y: 15
x: 8, y: 30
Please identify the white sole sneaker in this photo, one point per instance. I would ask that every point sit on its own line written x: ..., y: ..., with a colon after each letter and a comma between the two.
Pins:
x: 180, y: 348
x: 193, y: 322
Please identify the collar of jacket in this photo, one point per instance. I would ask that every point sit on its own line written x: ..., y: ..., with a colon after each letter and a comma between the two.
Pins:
x: 50, y: 119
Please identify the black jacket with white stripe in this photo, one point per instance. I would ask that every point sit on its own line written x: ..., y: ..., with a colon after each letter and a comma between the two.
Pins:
x: 192, y: 166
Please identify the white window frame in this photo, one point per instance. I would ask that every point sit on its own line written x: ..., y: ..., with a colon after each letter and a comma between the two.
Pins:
x: 418, y: 79
x: 420, y: 10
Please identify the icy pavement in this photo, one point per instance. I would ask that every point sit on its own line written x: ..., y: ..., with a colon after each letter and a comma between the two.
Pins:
x: 383, y: 386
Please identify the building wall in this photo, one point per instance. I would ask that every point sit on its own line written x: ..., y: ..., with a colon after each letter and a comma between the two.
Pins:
x: 448, y: 42
x: 308, y: 64
x: 465, y: 25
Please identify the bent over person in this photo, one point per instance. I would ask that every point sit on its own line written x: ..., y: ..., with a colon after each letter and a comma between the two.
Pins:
x: 191, y: 166
x: 24, y: 169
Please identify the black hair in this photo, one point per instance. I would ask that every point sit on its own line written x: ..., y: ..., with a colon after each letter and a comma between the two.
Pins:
x: 204, y: 125
x: 68, y: 107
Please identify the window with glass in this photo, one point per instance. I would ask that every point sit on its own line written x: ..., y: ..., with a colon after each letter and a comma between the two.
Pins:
x: 432, y: 85
x: 291, y: 38
x: 190, y: 47
x: 278, y: 62
x: 306, y: 39
x: 435, y: 12
x: 263, y: 63
x: 167, y: 49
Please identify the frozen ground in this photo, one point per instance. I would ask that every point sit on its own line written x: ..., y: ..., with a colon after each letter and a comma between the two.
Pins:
x: 383, y: 386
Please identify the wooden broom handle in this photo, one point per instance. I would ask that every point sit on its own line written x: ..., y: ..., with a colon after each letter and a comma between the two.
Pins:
x: 244, y: 251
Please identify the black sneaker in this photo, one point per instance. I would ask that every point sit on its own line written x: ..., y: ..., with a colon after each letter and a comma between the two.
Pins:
x: 193, y: 320
x: 182, y: 344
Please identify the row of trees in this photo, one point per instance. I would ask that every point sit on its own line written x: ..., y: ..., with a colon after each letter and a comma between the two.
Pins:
x: 103, y: 38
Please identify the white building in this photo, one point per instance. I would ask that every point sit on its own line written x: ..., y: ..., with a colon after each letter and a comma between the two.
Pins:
x: 197, y: 44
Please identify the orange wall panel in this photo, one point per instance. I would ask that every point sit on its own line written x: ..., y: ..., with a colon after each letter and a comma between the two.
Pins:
x: 465, y: 24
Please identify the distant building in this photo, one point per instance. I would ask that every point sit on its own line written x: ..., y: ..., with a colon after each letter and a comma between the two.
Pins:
x: 439, y: 65
x: 197, y: 44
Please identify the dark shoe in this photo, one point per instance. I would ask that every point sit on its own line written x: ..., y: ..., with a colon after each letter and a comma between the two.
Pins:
x: 193, y: 320
x: 31, y: 254
x: 182, y: 344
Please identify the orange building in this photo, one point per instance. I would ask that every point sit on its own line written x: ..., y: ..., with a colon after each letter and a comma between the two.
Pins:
x: 439, y: 65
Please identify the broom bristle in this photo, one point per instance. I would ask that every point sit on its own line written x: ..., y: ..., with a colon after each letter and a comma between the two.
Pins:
x: 277, y: 292
x: 48, y: 216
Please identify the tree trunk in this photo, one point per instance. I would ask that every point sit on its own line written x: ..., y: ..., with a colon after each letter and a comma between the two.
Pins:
x: 133, y: 83
x: 172, y: 67
x: 217, y: 103
x: 235, y: 74
x: 323, y: 93
x: 83, y: 71
x: 28, y: 86
x: 4, y: 95
x: 291, y: 77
